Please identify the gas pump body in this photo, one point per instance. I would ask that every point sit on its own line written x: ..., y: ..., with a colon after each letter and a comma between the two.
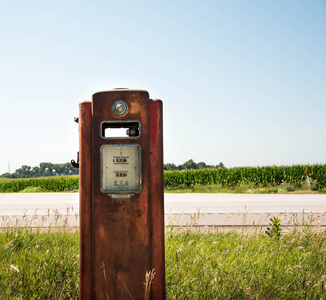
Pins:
x: 121, y: 196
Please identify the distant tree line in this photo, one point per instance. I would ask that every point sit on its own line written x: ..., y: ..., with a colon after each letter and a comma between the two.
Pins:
x: 191, y: 165
x: 48, y: 169
x: 43, y: 170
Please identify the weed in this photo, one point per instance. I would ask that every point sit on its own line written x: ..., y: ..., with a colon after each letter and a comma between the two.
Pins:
x: 275, y: 229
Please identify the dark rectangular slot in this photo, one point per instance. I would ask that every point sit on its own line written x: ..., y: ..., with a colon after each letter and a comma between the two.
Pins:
x: 120, y: 129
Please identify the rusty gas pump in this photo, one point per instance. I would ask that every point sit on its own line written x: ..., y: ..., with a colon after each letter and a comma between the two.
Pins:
x: 121, y: 195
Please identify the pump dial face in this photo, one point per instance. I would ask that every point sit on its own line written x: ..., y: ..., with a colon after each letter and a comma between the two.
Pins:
x: 120, y: 168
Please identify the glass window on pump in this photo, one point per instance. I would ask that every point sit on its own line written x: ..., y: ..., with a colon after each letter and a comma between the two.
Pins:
x: 120, y: 169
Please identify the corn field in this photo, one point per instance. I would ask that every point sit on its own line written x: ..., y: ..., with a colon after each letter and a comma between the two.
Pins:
x: 46, y: 184
x: 257, y: 176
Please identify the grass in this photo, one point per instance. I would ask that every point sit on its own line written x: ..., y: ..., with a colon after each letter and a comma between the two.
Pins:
x: 44, y: 265
x: 240, y: 266
x: 39, y: 265
x: 296, y: 188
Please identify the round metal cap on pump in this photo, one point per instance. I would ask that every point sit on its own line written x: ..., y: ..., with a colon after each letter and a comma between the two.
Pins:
x: 120, y: 108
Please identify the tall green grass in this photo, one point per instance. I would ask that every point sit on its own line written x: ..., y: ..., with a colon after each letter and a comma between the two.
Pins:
x: 36, y: 265
x: 240, y: 266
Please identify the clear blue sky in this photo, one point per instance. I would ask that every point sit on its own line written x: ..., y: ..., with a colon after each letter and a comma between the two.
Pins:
x: 242, y: 82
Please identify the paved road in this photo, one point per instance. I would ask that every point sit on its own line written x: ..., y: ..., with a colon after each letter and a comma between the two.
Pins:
x: 204, y: 209
x: 234, y: 203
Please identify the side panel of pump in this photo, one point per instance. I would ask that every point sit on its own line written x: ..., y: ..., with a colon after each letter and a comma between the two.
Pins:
x: 157, y: 199
x: 85, y: 200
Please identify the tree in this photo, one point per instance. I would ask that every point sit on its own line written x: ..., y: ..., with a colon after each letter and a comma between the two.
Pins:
x: 190, y: 164
x: 201, y: 165
x: 7, y: 175
x: 23, y: 172
x: 46, y: 169
x: 170, y: 167
x: 220, y: 166
x: 35, y: 172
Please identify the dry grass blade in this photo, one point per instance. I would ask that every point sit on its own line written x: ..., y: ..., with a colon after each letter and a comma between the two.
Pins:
x: 125, y: 287
x: 149, y: 277
x: 106, y: 285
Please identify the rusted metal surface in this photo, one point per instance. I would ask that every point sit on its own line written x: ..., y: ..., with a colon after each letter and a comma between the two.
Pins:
x: 120, y: 242
x: 85, y: 200
x: 157, y: 199
x: 121, y: 226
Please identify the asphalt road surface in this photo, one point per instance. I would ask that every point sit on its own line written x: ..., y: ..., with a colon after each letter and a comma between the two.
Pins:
x: 180, y: 209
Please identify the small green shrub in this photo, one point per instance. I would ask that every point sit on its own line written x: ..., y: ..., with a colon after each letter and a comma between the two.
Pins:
x: 32, y: 189
x: 275, y: 229
x: 289, y: 188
